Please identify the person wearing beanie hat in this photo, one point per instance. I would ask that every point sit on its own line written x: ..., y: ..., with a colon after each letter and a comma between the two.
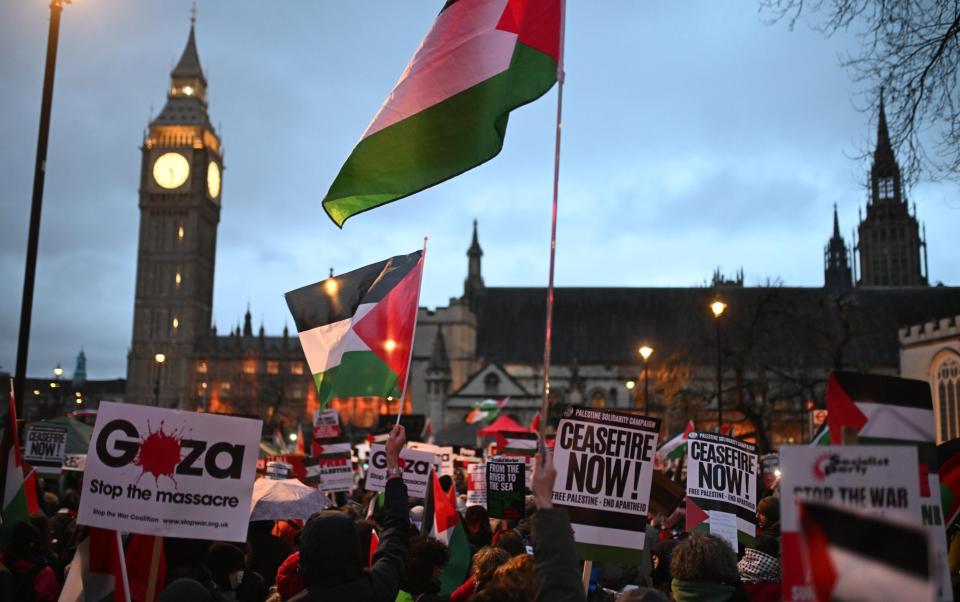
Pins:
x: 330, y: 561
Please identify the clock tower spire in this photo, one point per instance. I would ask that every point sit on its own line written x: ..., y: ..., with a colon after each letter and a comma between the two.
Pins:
x: 180, y: 185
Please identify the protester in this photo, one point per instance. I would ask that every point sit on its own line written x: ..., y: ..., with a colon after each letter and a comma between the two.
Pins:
x: 768, y: 520
x: 660, y: 552
x: 228, y: 569
x: 476, y: 521
x: 704, y: 569
x: 188, y: 590
x: 33, y: 578
x: 517, y: 574
x: 420, y: 581
x: 760, y: 572
x: 555, y: 560
x: 267, y: 550
x: 330, y: 562
x: 483, y: 565
x: 509, y: 540
x: 643, y: 594
x: 289, y: 583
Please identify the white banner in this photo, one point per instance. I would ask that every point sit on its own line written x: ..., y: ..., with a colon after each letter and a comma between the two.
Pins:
x: 172, y: 473
x: 444, y: 453
x: 416, y: 469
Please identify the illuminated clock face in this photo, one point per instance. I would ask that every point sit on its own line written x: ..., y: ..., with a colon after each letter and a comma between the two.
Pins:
x: 171, y: 170
x: 213, y: 180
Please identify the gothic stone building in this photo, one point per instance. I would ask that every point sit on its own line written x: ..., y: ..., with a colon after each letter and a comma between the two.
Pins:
x: 776, y: 344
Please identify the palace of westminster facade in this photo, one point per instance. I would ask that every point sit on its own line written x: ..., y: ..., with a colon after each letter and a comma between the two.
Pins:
x: 776, y: 345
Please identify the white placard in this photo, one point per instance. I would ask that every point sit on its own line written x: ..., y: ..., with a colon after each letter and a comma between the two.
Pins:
x: 477, y: 485
x: 172, y: 473
x: 44, y: 447
x: 724, y: 525
x: 417, y: 466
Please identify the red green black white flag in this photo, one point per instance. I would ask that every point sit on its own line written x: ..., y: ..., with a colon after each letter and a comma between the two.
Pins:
x: 356, y: 329
x: 856, y: 557
x: 448, y: 113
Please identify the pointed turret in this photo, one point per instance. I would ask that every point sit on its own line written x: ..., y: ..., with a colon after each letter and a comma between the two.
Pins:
x: 473, y: 285
x: 247, y: 323
x: 837, y: 273
x: 187, y: 97
x: 80, y: 371
x: 439, y: 360
x: 883, y: 158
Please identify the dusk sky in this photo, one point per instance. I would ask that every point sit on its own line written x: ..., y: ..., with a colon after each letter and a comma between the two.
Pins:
x: 696, y: 135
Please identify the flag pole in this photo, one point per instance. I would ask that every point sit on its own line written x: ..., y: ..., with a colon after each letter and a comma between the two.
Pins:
x: 545, y: 401
x: 416, y: 313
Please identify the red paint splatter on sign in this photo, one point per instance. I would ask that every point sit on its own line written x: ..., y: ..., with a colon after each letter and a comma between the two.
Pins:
x: 159, y: 454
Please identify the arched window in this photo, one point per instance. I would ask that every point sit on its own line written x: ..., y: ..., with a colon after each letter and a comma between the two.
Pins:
x: 947, y: 391
x: 491, y: 384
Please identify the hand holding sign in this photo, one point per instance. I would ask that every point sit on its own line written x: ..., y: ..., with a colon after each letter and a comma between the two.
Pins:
x: 543, y: 479
x: 395, y: 444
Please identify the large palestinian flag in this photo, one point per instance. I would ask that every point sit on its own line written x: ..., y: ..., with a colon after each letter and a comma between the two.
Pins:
x: 17, y: 483
x: 449, y: 111
x: 857, y: 557
x: 356, y: 329
x: 883, y: 410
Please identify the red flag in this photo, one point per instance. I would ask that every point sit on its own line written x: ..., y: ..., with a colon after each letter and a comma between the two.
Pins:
x: 147, y: 564
x: 374, y: 544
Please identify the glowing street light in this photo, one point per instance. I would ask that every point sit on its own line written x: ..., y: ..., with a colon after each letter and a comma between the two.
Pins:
x: 645, y: 352
x: 718, y: 307
x: 159, y: 359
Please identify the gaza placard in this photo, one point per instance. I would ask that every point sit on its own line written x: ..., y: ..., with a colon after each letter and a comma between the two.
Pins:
x: 722, y: 477
x: 417, y: 466
x: 878, y: 480
x: 604, y: 463
x: 165, y: 472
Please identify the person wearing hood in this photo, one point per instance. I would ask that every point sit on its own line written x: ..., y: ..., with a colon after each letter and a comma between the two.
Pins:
x: 704, y: 569
x: 760, y: 571
x: 330, y: 562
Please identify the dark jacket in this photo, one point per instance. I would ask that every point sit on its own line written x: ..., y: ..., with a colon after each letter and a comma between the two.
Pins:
x: 555, y: 563
x: 326, y: 545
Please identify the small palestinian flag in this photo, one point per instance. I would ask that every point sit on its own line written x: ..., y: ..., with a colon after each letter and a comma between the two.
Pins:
x: 856, y: 557
x: 516, y: 443
x: 675, y: 448
x: 822, y: 436
x: 948, y: 456
x: 884, y: 410
x: 98, y: 570
x: 449, y: 111
x: 18, y: 484
x: 442, y: 522
x: 356, y: 329
x: 486, y: 410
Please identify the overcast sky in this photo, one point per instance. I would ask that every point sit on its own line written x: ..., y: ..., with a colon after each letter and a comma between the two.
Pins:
x: 696, y: 135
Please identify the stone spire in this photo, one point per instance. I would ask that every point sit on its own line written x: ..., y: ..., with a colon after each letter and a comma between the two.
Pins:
x: 80, y: 371
x: 884, y: 161
x: 473, y: 285
x: 439, y: 360
x: 837, y: 274
x: 247, y: 323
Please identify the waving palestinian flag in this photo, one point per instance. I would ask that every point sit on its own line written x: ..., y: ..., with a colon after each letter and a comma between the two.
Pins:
x: 356, y: 329
x: 855, y: 557
x: 448, y: 113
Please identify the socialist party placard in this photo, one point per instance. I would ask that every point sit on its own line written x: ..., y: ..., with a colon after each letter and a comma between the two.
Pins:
x: 505, y: 487
x: 604, y: 463
x: 166, y: 472
x: 722, y: 477
x: 417, y: 466
x: 879, y: 480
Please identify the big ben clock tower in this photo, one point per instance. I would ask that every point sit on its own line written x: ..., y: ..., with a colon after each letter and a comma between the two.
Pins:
x: 180, y: 185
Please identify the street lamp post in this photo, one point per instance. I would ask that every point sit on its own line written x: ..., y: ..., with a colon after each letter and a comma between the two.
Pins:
x: 718, y: 307
x: 33, y: 233
x: 159, y: 359
x: 645, y: 352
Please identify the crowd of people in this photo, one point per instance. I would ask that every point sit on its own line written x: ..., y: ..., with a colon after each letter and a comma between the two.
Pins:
x: 328, y: 557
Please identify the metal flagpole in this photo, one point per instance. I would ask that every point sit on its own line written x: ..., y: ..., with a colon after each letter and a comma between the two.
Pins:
x: 406, y: 376
x: 545, y: 401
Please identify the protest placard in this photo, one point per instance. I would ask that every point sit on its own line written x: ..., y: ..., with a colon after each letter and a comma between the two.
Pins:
x: 331, y: 469
x: 604, y: 463
x: 722, y: 475
x: 166, y: 472
x: 445, y: 454
x: 416, y: 469
x: 326, y: 425
x: 44, y: 447
x: 879, y: 480
x: 477, y: 485
x: 505, y: 487
x: 74, y: 462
